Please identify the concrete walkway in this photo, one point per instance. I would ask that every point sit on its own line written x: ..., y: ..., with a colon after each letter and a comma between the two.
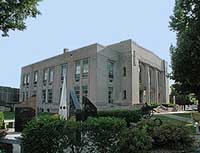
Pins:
x: 184, y: 119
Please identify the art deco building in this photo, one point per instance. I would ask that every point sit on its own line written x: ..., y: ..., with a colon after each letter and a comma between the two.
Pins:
x: 123, y: 74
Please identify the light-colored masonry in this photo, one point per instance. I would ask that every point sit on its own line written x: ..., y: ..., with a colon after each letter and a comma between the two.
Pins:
x: 122, y: 74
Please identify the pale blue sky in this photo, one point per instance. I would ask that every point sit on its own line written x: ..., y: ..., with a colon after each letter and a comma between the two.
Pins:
x: 75, y: 23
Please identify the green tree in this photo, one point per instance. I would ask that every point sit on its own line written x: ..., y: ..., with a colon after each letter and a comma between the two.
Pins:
x: 185, y: 56
x: 14, y: 12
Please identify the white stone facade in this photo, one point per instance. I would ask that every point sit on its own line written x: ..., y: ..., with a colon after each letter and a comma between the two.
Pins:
x: 119, y: 74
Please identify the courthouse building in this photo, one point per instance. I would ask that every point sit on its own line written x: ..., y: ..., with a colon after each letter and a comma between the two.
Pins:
x: 122, y: 74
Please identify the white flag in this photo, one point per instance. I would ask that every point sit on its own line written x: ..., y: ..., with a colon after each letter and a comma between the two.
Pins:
x: 63, y: 111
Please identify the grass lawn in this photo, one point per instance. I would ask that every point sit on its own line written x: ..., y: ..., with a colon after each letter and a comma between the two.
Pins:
x: 168, y: 120
x: 9, y: 115
x: 186, y: 115
x: 165, y: 119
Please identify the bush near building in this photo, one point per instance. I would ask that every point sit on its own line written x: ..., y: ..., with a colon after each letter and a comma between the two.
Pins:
x: 1, y: 119
x: 104, y: 133
x: 128, y: 115
x: 173, y: 136
x: 49, y: 134
x: 170, y: 135
x: 2, y: 130
x: 135, y: 141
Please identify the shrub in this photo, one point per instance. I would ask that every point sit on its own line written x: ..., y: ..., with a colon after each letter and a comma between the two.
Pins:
x: 49, y: 134
x: 153, y: 105
x: 148, y: 124
x: 44, y: 134
x: 104, y: 134
x: 168, y: 105
x: 135, y: 141
x: 127, y: 115
x: 1, y: 119
x: 74, y: 137
x: 173, y: 135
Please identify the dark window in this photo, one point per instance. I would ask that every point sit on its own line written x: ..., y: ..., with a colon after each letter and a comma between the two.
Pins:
x: 27, y: 95
x: 140, y: 74
x: 34, y: 93
x: 124, y: 71
x: 77, y: 92
x: 110, y: 71
x: 35, y: 78
x: 51, y: 75
x: 110, y: 95
x: 45, y: 76
x: 85, y: 68
x: 85, y: 90
x: 44, y: 96
x: 63, y: 71
x: 23, y: 96
x: 27, y: 79
x: 124, y: 94
x: 24, y: 79
x: 77, y: 71
x: 50, y: 96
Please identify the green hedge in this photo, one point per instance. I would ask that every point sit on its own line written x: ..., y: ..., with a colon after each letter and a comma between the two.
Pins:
x: 135, y: 141
x: 49, y: 134
x: 127, y: 115
x: 104, y: 133
x: 43, y: 135
x: 1, y: 119
x: 173, y: 136
x: 168, y: 105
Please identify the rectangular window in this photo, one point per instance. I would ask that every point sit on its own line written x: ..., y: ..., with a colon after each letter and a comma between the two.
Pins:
x: 35, y: 77
x: 77, y: 71
x: 85, y: 68
x: 140, y: 74
x: 150, y: 76
x: 50, y: 74
x: 124, y: 94
x: 124, y: 71
x: 45, y: 75
x: 50, y: 96
x: 85, y: 91
x: 158, y: 78
x: 77, y: 92
x: 44, y: 96
x: 24, y: 79
x: 34, y: 92
x: 26, y: 95
x: 63, y: 71
x: 23, y: 96
x: 110, y: 94
x: 27, y: 79
x: 110, y: 71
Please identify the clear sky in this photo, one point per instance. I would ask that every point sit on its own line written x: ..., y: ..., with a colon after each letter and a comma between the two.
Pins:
x: 75, y: 23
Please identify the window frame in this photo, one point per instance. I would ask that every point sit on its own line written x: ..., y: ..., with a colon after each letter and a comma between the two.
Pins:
x: 77, y: 71
x: 110, y: 66
x: 85, y: 68
x: 124, y: 71
x: 124, y: 94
